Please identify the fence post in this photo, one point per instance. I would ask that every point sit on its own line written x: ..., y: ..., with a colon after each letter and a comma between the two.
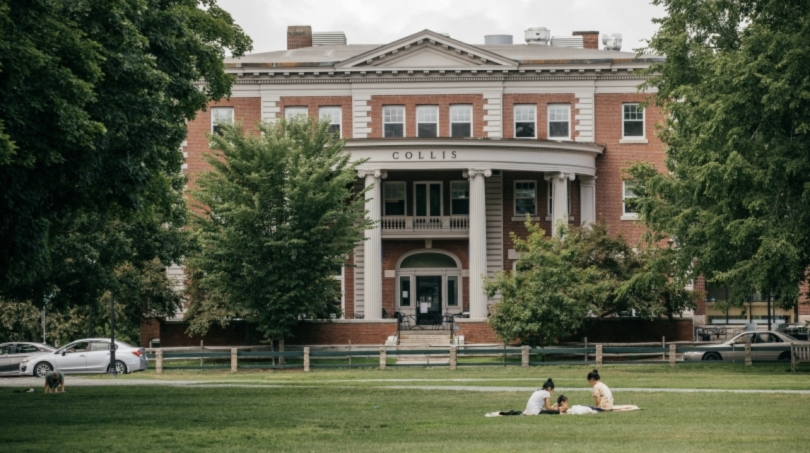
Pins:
x: 159, y: 361
x: 598, y: 356
x: 453, y: 358
x: 281, y: 349
x: 672, y: 350
x: 586, y: 347
x: 792, y: 357
x: 202, y: 350
x: 664, y: 345
x: 306, y: 359
x: 382, y: 358
x: 748, y: 351
x: 234, y: 363
x: 524, y: 357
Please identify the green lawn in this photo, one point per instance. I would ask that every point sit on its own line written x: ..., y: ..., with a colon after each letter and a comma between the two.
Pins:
x: 340, y: 410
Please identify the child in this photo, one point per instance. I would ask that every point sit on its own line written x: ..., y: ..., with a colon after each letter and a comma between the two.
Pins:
x: 602, y: 395
x: 54, y: 380
x: 562, y: 405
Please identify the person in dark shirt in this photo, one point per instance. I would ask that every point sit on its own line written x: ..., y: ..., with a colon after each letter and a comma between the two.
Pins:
x: 54, y: 382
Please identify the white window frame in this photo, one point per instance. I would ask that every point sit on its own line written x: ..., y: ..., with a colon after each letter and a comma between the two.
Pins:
x: 515, y: 119
x: 451, y: 195
x: 405, y: 197
x: 441, y: 196
x: 220, y: 109
x: 643, y: 136
x: 456, y: 107
x: 295, y: 110
x: 548, y: 123
x: 550, y: 190
x: 522, y: 217
x: 423, y: 109
x: 403, y: 122
x: 324, y: 112
x: 627, y: 215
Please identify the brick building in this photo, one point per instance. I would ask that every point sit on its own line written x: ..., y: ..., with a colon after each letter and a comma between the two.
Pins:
x: 463, y: 142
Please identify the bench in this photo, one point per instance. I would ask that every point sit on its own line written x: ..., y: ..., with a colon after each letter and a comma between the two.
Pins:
x: 798, y: 354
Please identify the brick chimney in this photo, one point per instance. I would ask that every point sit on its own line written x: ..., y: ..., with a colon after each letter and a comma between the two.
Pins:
x: 299, y: 36
x: 590, y: 39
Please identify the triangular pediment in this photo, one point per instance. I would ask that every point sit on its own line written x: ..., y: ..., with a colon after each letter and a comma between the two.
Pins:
x: 428, y: 49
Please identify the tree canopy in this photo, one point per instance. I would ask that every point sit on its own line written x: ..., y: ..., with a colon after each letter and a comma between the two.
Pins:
x: 559, y: 282
x: 735, y: 88
x: 277, y: 220
x: 94, y: 99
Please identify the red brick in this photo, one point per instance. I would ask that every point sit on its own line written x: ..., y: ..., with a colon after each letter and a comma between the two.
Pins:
x: 444, y: 101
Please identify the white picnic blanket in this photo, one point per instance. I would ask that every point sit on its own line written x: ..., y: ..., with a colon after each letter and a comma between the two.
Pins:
x: 580, y: 410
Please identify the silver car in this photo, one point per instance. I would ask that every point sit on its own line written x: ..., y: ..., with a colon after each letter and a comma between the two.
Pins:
x: 11, y: 354
x: 765, y: 345
x: 91, y: 355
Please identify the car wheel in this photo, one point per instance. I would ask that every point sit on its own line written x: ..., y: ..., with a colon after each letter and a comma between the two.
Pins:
x: 42, y: 368
x: 784, y: 357
x: 712, y: 356
x: 120, y: 367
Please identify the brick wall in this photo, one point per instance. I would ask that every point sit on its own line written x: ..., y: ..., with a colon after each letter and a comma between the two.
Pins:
x: 394, y: 249
x: 619, y: 156
x: 150, y: 328
x: 299, y: 36
x: 314, y: 102
x: 348, y: 287
x: 444, y: 102
x: 476, y: 332
x: 541, y: 101
x: 700, y: 285
x: 590, y: 39
x: 341, y: 333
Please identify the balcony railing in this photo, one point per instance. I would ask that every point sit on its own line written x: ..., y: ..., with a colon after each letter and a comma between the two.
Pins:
x: 413, y: 225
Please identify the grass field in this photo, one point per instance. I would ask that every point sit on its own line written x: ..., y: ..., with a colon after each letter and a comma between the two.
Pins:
x: 354, y: 411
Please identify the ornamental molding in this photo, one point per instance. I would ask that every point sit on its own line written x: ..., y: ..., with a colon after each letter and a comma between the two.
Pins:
x: 376, y: 173
x: 493, y: 145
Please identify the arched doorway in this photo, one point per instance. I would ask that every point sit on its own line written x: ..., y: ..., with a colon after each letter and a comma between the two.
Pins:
x: 428, y: 285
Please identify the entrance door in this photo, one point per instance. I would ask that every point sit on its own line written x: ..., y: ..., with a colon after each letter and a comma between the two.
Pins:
x: 428, y: 301
x: 428, y: 205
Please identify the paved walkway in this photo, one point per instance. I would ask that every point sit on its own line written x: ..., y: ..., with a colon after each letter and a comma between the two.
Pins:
x: 37, y: 383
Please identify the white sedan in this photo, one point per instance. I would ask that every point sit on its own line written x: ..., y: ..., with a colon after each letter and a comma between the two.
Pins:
x: 765, y: 346
x: 91, y: 355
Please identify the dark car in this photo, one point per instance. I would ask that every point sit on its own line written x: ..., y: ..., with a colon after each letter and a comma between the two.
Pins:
x: 11, y: 354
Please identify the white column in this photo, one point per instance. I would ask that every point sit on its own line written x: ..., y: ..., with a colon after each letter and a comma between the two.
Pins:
x: 478, y: 241
x: 587, y: 199
x: 559, y: 208
x: 372, y: 267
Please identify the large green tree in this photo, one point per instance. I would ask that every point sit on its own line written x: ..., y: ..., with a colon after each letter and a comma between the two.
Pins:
x: 94, y: 100
x: 558, y: 283
x: 735, y: 88
x: 278, y: 218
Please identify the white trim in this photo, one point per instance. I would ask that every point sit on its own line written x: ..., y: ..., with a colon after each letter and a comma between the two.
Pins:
x: 548, y: 121
x: 514, y: 196
x: 515, y: 121
x: 404, y: 120
x: 471, y: 122
x: 636, y: 140
x: 427, y: 194
x: 443, y: 273
x: 295, y: 110
x: 339, y: 122
x: 627, y: 215
x: 425, y: 107
x: 233, y: 118
x: 384, y: 199
x: 418, y: 251
x: 643, y: 122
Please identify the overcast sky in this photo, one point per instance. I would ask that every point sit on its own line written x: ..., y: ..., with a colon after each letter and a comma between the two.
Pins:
x: 383, y: 21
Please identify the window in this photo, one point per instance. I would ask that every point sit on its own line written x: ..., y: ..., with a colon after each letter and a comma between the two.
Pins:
x: 525, y: 198
x: 393, y: 121
x: 428, y: 199
x: 427, y: 121
x: 452, y: 291
x: 459, y: 198
x: 632, y: 120
x: 405, y: 291
x: 220, y: 115
x: 332, y: 115
x: 559, y: 119
x: 6, y: 349
x: 627, y: 188
x: 551, y: 198
x: 394, y: 198
x: 292, y: 112
x: 461, y: 121
x: 525, y: 117
x: 100, y: 346
x: 26, y: 349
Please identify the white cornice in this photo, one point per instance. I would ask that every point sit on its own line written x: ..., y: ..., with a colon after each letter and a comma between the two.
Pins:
x: 478, y: 143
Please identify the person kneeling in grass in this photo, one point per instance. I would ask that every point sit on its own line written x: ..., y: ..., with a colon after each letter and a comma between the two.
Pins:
x: 602, y: 395
x: 54, y: 381
x: 540, y: 401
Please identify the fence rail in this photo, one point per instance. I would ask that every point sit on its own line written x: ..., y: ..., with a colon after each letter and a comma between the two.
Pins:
x: 592, y: 355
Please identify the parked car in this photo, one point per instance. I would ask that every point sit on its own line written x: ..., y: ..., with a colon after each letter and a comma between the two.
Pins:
x: 11, y: 354
x: 91, y: 355
x: 765, y: 345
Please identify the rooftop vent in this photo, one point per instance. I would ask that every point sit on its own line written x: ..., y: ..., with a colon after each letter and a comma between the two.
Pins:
x: 538, y: 35
x: 567, y: 41
x: 329, y: 38
x: 498, y: 39
x: 612, y: 41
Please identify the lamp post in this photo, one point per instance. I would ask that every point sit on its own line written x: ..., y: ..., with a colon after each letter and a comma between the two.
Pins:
x: 111, y: 369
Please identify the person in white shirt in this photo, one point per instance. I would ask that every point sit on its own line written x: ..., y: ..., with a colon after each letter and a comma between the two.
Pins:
x: 602, y: 395
x: 562, y: 405
x: 540, y: 401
